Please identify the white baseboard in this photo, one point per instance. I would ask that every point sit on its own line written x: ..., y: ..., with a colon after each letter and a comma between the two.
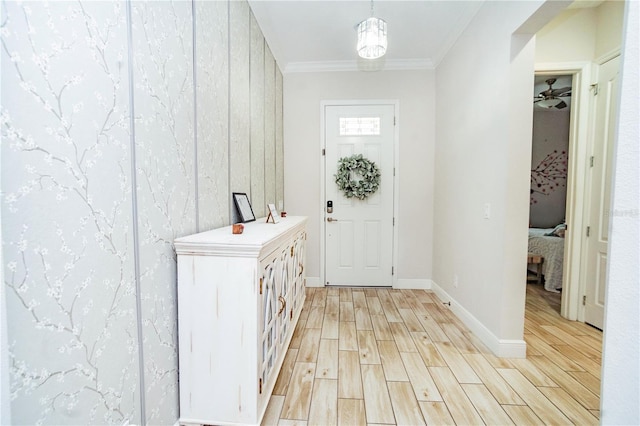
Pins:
x: 314, y: 282
x: 412, y: 284
x: 401, y: 283
x: 502, y: 348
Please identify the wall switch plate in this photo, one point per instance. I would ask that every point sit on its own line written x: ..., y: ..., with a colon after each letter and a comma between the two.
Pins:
x: 455, y: 280
x: 487, y: 210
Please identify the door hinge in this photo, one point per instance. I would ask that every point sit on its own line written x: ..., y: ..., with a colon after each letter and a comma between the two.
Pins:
x: 394, y: 221
x: 394, y: 171
x: 584, y: 300
x: 260, y: 285
x: 392, y: 270
x: 594, y: 87
x: 260, y: 385
x: 588, y: 231
x: 394, y: 120
x: 591, y: 161
x: 324, y: 152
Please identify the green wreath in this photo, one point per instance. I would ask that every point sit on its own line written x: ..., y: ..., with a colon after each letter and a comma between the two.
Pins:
x: 357, y: 177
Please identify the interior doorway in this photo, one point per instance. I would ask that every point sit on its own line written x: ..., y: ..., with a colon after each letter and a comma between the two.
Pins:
x: 580, y: 186
x: 549, y: 172
x: 576, y: 158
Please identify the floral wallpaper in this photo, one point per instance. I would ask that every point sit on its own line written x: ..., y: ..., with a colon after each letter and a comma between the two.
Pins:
x: 257, y: 72
x: 66, y: 213
x: 239, y: 103
x: 270, y: 126
x: 279, y: 140
x: 212, y: 95
x: 124, y: 125
x: 162, y: 35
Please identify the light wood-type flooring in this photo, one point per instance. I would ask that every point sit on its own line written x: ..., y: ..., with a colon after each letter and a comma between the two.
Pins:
x: 381, y: 356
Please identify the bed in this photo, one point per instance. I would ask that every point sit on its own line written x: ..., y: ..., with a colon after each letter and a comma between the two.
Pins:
x: 551, y: 247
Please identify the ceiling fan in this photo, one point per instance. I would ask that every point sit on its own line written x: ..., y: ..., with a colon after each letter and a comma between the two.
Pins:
x: 550, y: 98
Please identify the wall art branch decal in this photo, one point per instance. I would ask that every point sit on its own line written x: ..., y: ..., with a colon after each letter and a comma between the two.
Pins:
x: 549, y: 175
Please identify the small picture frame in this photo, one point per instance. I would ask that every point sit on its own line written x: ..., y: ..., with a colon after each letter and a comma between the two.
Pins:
x: 273, y: 213
x: 243, y: 206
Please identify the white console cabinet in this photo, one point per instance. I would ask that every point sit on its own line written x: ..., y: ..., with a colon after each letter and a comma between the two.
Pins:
x: 239, y: 299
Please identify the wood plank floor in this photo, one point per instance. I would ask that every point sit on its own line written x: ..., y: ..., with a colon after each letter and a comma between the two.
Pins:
x: 381, y: 356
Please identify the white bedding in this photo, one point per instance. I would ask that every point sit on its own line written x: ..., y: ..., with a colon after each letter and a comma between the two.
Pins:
x: 552, y: 249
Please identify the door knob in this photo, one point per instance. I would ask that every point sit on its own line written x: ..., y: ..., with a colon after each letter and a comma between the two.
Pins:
x: 330, y: 219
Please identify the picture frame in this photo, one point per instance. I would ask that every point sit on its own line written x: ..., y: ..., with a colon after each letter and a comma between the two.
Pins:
x: 243, y: 206
x: 273, y: 213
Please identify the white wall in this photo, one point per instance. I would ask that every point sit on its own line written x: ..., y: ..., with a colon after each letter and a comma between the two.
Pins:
x: 609, y: 18
x: 414, y: 90
x: 569, y: 37
x: 581, y: 34
x: 483, y: 153
x: 621, y: 352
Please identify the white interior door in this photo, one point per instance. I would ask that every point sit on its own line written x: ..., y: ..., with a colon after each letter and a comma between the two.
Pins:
x: 600, y: 202
x: 359, y: 233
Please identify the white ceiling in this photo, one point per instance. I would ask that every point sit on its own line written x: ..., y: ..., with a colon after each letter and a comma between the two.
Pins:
x: 319, y: 35
x: 313, y: 35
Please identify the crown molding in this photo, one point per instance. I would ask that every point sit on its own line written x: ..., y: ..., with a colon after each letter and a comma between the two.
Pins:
x: 364, y: 65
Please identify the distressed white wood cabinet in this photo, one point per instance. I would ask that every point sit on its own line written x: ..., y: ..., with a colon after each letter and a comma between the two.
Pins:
x: 239, y: 299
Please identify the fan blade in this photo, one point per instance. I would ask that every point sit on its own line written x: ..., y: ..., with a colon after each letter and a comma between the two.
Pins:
x: 556, y: 92
x: 561, y: 105
x: 562, y: 95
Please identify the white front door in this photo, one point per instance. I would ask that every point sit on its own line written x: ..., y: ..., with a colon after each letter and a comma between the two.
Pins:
x: 359, y: 233
x: 600, y: 204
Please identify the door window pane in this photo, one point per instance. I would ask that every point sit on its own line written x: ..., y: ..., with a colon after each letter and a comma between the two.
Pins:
x: 359, y: 126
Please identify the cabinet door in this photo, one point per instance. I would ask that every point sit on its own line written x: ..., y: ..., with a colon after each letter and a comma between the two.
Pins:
x: 269, y: 318
x: 297, y: 271
x: 284, y: 296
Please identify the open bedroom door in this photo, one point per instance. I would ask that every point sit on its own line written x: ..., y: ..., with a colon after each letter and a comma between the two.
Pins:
x: 600, y: 194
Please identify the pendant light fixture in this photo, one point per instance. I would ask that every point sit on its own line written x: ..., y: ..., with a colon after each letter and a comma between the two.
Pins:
x: 372, y: 37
